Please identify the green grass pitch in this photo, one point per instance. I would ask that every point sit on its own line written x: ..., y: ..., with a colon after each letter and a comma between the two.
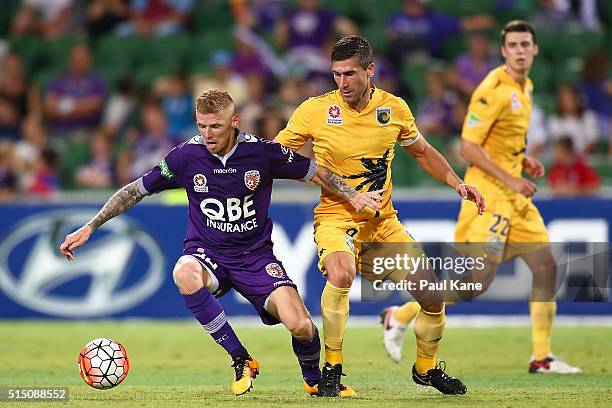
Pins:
x: 176, y: 364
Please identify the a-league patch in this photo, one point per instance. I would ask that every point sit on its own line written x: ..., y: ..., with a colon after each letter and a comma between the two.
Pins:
x: 251, y: 179
x: 473, y: 120
x: 275, y: 270
x: 515, y: 102
x: 334, y: 115
x: 199, y: 183
x: 383, y: 115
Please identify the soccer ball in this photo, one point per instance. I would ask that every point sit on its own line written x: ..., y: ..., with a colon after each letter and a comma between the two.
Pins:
x: 103, y: 363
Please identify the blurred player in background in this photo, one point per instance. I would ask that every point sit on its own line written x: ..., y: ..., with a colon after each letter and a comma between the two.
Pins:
x: 228, y: 176
x: 494, y: 142
x: 354, y: 130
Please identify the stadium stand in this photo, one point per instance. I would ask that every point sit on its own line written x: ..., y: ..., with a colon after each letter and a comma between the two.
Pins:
x: 211, y: 27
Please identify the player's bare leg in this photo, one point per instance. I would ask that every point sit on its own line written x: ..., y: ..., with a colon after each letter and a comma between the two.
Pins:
x: 286, y: 306
x: 194, y: 284
x: 340, y: 269
x: 543, y: 308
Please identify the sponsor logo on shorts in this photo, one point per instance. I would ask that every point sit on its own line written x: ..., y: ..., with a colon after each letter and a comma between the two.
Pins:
x: 251, y: 179
x: 275, y: 270
x: 350, y: 243
x: 199, y: 183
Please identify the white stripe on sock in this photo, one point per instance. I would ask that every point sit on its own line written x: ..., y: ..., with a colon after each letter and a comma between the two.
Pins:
x: 216, y: 323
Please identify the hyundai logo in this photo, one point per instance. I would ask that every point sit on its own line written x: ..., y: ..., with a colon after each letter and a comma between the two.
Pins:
x: 33, y: 272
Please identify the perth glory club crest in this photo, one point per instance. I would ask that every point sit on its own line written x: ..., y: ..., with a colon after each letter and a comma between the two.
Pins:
x: 251, y: 179
x: 275, y: 270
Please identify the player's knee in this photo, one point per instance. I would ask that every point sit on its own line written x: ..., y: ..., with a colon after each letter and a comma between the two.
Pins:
x: 187, y: 275
x: 302, y: 329
x: 341, y: 274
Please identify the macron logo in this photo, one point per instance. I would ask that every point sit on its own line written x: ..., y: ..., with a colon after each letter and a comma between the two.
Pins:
x: 225, y: 171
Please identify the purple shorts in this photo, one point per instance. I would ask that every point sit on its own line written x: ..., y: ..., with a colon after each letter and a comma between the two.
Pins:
x: 254, y: 276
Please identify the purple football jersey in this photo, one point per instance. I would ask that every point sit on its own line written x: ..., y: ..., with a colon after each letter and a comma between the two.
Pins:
x: 228, y: 195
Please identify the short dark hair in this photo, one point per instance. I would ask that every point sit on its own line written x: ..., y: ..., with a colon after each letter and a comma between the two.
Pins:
x: 353, y: 46
x: 518, y: 26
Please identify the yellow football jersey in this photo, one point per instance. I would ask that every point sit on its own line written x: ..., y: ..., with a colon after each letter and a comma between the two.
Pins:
x: 358, y: 146
x: 498, y: 120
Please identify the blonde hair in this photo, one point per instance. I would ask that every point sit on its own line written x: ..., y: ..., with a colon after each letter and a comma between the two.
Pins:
x: 214, y: 101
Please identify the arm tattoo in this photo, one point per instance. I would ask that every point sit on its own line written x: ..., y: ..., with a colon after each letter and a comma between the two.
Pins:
x: 121, y: 201
x: 337, y: 185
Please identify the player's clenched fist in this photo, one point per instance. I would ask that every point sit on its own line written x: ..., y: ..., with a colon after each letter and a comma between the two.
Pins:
x: 76, y: 239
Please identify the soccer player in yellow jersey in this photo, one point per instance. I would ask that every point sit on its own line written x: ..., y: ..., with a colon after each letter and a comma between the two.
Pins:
x: 354, y: 130
x: 493, y: 142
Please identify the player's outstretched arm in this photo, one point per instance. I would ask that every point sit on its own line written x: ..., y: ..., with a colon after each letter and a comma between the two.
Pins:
x: 477, y: 156
x: 436, y: 166
x: 124, y: 199
x: 433, y: 162
x: 334, y: 183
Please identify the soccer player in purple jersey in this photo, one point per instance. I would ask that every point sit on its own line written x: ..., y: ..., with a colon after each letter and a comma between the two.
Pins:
x: 228, y: 176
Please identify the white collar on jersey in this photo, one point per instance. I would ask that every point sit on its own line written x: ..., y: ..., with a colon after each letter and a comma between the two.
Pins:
x: 240, y: 138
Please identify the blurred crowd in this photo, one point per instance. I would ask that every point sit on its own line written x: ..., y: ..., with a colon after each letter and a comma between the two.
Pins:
x: 94, y: 93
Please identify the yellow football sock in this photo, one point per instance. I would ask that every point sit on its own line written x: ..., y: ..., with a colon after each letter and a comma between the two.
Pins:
x: 408, y: 311
x: 542, y: 318
x: 428, y: 328
x: 334, y: 311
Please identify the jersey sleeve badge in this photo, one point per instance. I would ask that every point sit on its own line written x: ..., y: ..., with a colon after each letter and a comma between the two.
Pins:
x: 165, y: 170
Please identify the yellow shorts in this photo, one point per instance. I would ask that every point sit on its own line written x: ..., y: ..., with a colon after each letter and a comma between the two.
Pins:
x: 348, y: 236
x: 503, y: 224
